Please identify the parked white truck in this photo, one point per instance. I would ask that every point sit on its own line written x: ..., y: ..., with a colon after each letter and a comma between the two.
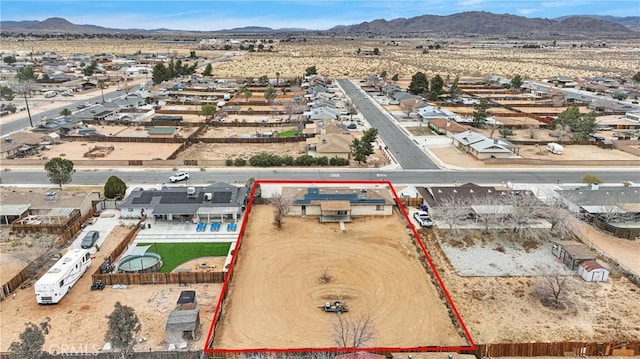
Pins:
x: 555, y: 148
x: 59, y: 279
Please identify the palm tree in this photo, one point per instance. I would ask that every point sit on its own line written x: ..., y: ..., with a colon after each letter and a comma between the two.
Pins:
x: 277, y: 79
x: 26, y: 77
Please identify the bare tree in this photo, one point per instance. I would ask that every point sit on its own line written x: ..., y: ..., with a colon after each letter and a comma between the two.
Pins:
x: 325, y: 277
x: 32, y: 250
x: 409, y: 105
x: 452, y: 211
x: 563, y: 133
x: 281, y: 206
x: 532, y: 131
x: 559, y: 217
x: 527, y: 209
x: 551, y: 289
x: 353, y: 332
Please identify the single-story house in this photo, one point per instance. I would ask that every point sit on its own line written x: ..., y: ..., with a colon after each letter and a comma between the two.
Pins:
x: 571, y: 253
x: 482, y: 147
x: 330, y: 145
x: 339, y: 204
x: 468, y: 193
x: 217, y: 201
x: 613, y: 209
x: 21, y: 144
x: 592, y: 271
x: 445, y: 126
x: 324, y: 113
x: 161, y: 132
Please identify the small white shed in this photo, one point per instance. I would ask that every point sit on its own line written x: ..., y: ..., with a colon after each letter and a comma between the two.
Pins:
x: 592, y: 271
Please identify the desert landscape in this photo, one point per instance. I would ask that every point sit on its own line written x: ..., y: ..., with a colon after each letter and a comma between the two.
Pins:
x: 276, y: 289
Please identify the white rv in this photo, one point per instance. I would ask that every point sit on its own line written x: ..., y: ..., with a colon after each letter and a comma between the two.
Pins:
x: 555, y: 148
x: 59, y: 279
x: 50, y: 94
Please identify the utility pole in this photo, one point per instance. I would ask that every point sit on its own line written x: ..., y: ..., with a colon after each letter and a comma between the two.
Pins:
x: 28, y: 111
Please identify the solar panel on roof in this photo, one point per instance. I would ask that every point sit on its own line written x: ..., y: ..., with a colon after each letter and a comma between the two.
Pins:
x: 221, y: 197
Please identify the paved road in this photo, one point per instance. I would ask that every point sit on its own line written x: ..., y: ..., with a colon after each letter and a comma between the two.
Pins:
x: 229, y: 175
x: 71, y: 103
x: 406, y: 152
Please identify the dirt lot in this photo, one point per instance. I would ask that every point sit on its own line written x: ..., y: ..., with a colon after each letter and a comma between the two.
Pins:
x: 122, y: 150
x: 223, y: 151
x: 227, y: 132
x: 79, y: 321
x: 506, y: 309
x: 274, y: 296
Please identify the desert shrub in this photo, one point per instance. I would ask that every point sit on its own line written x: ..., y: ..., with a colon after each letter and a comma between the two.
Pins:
x: 239, y: 162
x: 305, y: 160
x: 228, y: 162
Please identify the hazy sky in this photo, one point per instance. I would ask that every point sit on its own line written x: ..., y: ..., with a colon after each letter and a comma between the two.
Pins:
x: 310, y: 14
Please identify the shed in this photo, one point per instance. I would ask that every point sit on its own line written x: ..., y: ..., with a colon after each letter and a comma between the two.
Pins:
x: 187, y: 300
x: 183, y: 324
x: 592, y: 271
x: 571, y: 253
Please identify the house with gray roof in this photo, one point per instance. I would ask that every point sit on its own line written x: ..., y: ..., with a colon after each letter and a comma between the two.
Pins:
x: 218, y: 201
x: 339, y: 204
x: 482, y: 147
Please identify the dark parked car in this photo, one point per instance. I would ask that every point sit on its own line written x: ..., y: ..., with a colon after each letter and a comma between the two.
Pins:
x: 89, y: 239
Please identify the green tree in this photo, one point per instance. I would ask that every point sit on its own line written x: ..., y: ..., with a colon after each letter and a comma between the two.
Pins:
x: 65, y: 112
x: 6, y: 93
x: 31, y: 341
x: 207, y: 70
x: 589, y: 179
x: 436, y: 84
x: 454, y: 89
x: 506, y: 132
x: 90, y: 69
x: 59, y: 170
x: 311, y: 70
x: 45, y: 77
x: 383, y: 74
x: 114, y: 188
x: 208, y: 111
x: 9, y: 59
x: 277, y: 79
x: 123, y: 327
x: 580, y: 126
x: 516, y: 82
x: 26, y: 78
x: 636, y: 77
x: 433, y: 96
x: 376, y: 51
x: 480, y: 113
x: 247, y: 95
x: 363, y: 147
x: 160, y: 73
x: 270, y: 94
x: 419, y: 84
x: 395, y: 77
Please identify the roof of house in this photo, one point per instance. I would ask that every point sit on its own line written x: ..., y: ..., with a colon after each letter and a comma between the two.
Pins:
x: 19, y: 139
x: 333, y: 143
x: 468, y: 137
x: 577, y: 250
x: 317, y: 195
x: 175, y: 200
x: 448, y: 125
x: 624, y: 198
x: 335, y: 205
x: 489, y: 146
x: 468, y: 192
x: 165, y: 130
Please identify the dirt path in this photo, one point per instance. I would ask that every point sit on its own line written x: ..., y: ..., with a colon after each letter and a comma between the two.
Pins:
x: 276, y: 289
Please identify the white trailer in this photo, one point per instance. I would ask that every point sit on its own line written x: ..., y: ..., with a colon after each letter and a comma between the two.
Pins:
x: 59, y: 279
x: 49, y: 94
x: 555, y: 148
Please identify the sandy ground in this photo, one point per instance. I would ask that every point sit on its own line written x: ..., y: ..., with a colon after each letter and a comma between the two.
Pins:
x: 203, y: 264
x: 276, y: 289
x: 228, y: 132
x: 79, y: 321
x: 506, y: 309
x: 453, y: 156
x: 74, y: 150
x: 223, y: 151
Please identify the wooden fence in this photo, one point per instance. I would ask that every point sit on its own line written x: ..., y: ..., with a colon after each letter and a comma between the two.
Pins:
x: 159, y: 278
x: 576, y: 163
x: 125, y: 139
x: 177, y: 354
x: 581, y: 349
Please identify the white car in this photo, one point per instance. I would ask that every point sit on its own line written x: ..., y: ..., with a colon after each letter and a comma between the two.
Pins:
x: 179, y: 176
x: 423, y: 218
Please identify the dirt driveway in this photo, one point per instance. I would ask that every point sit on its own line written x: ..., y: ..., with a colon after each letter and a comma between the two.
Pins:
x: 276, y: 288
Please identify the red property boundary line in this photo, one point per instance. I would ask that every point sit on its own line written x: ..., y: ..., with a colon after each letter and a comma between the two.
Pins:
x: 222, y: 296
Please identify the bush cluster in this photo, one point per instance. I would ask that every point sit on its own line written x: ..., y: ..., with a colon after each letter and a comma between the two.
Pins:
x: 265, y: 159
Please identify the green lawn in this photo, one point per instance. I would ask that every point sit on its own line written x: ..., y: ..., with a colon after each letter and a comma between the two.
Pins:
x: 174, y: 254
x: 289, y: 133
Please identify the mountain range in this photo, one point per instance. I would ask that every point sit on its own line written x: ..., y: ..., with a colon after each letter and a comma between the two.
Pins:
x: 477, y: 22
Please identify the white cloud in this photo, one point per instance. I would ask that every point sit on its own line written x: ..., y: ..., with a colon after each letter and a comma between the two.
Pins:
x: 526, y: 11
x: 470, y: 2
